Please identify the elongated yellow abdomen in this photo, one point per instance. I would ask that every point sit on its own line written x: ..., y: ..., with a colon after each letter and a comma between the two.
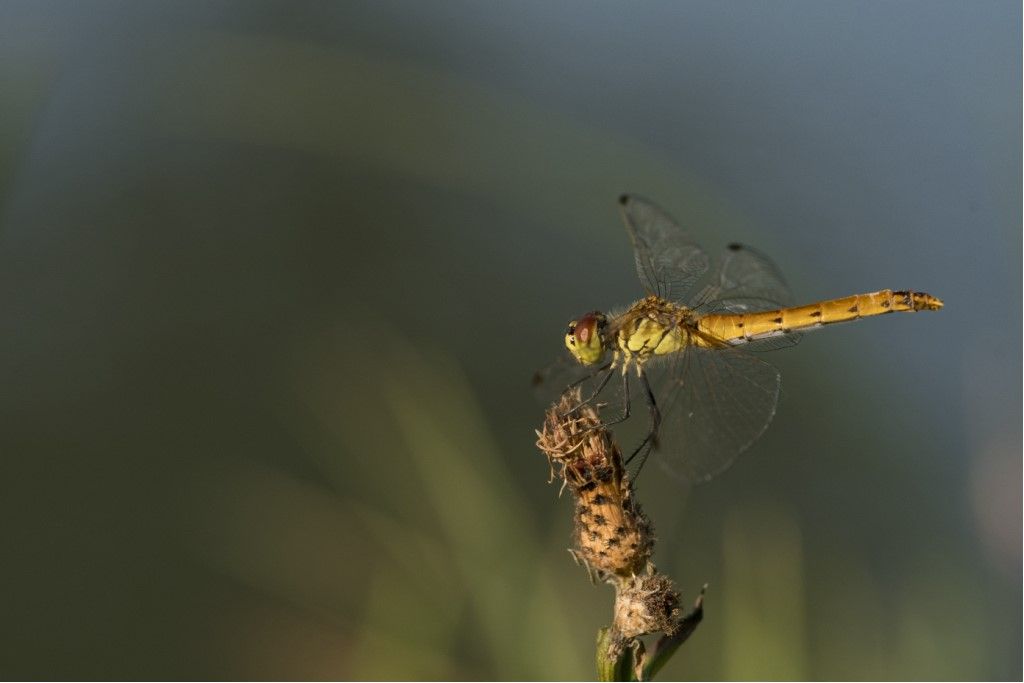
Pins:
x: 738, y: 328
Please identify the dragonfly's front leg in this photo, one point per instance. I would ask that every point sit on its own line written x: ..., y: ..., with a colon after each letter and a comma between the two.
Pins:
x: 609, y: 370
x: 617, y: 361
x: 625, y: 407
x: 650, y: 441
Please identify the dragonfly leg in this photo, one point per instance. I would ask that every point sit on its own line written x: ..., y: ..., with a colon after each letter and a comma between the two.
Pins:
x: 650, y: 441
x: 610, y: 367
x: 625, y: 407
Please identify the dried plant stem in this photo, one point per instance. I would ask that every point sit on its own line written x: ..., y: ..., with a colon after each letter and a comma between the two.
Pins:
x: 614, y: 540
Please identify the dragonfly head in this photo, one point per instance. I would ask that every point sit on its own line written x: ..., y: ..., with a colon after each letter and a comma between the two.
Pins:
x: 585, y: 337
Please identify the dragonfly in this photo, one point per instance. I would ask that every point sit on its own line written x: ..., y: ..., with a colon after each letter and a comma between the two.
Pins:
x: 689, y: 342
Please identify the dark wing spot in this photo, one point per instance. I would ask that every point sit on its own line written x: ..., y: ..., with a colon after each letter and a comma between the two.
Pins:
x: 816, y: 314
x: 600, y: 520
x: 600, y: 499
x: 613, y: 542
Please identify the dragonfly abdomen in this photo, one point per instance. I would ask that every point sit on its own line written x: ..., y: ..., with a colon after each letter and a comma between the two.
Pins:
x: 738, y: 328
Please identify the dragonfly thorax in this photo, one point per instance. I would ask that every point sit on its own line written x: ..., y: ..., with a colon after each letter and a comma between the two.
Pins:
x: 651, y: 327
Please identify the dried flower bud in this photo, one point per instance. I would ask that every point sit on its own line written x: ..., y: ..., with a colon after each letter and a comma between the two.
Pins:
x: 576, y: 442
x: 612, y: 535
x: 646, y: 604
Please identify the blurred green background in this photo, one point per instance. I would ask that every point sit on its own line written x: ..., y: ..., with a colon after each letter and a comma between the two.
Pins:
x: 274, y: 277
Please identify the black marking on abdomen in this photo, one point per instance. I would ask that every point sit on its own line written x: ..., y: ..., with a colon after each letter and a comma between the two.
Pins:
x: 816, y: 314
x: 853, y: 309
x: 777, y: 321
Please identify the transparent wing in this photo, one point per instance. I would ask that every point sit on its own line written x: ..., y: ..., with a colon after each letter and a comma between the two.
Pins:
x: 667, y: 260
x: 715, y: 403
x: 745, y: 280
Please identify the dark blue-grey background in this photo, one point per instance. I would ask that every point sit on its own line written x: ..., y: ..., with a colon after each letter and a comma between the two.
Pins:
x: 274, y: 278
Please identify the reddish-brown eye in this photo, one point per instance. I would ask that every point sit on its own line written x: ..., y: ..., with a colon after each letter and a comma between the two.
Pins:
x: 586, y: 328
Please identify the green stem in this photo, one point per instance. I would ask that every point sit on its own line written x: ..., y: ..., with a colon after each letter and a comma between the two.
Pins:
x: 611, y: 668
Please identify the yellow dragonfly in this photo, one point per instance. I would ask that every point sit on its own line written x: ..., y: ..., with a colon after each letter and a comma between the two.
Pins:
x: 708, y: 398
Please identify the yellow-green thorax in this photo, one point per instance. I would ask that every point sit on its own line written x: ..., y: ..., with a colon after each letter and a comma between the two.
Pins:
x: 651, y: 327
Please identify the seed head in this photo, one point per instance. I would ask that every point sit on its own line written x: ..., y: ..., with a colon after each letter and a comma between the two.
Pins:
x: 612, y: 536
x: 646, y: 604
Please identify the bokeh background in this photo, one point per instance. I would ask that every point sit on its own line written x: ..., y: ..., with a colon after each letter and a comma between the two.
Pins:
x: 274, y: 277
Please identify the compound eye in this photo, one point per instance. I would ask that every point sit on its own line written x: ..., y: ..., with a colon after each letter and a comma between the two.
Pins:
x: 588, y: 327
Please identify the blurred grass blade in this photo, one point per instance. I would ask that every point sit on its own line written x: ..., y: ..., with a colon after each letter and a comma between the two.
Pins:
x: 486, y: 523
x: 765, y: 637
